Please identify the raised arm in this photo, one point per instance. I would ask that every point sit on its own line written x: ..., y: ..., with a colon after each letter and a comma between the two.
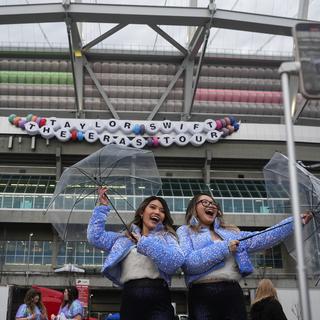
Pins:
x: 96, y: 233
x: 267, y: 239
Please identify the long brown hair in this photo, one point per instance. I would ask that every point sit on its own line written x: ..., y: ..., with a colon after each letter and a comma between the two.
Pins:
x: 28, y: 300
x: 73, y: 294
x: 265, y: 289
x: 192, y: 212
x: 167, y: 222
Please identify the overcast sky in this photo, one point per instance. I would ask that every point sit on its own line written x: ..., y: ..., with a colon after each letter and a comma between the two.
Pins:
x: 142, y: 37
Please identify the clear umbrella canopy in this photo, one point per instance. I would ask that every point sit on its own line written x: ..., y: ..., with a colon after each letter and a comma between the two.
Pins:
x: 128, y: 173
x: 276, y: 175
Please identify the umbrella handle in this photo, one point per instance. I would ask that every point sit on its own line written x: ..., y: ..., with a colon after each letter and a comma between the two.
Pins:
x: 118, y: 214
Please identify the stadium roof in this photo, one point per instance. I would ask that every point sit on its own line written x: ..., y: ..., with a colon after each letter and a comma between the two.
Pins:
x: 237, y: 25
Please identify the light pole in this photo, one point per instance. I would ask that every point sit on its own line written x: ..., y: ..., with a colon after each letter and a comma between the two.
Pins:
x: 28, y: 261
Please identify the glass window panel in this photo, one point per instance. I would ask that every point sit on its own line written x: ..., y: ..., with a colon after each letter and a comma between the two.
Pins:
x: 187, y: 193
x: 170, y: 203
x: 241, y: 187
x: 216, y: 193
x: 251, y: 188
x: 248, y: 205
x: 258, y: 205
x: 245, y: 194
x: 167, y: 192
x: 27, y: 202
x: 179, y: 204
x: 227, y: 205
x: 175, y: 185
x: 235, y: 193
x: 39, y: 202
x: 177, y: 193
x: 225, y: 193
x: 7, y: 202
x: 255, y: 195
x: 231, y: 186
x: 238, y: 205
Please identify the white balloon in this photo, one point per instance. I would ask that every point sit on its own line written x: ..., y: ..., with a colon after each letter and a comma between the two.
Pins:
x: 112, y: 125
x: 166, y: 126
x: 213, y: 136
x: 53, y: 123
x: 126, y: 126
x: 122, y: 140
x: 63, y: 135
x: 91, y: 136
x: 106, y: 138
x: 210, y: 125
x: 182, y: 139
x: 166, y: 140
x: 152, y: 128
x: 32, y: 128
x: 68, y: 124
x: 97, y: 125
x: 195, y: 127
x: 47, y: 132
x: 181, y: 127
x: 198, y: 139
x: 138, y: 142
x: 83, y: 125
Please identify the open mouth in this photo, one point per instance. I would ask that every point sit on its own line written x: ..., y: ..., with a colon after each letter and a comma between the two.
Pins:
x: 155, y: 219
x: 210, y: 212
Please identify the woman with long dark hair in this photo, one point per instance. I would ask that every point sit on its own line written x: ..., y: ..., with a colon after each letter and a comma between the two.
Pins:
x: 33, y: 308
x: 141, y: 261
x: 71, y: 307
x: 215, y: 259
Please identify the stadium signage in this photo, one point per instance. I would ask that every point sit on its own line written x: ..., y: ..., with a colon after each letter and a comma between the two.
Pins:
x: 138, y: 134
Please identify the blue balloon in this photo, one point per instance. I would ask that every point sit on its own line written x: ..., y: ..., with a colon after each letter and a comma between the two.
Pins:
x: 136, y: 129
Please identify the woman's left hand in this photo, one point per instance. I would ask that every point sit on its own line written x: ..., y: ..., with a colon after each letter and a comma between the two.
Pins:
x: 135, y: 237
x: 306, y: 217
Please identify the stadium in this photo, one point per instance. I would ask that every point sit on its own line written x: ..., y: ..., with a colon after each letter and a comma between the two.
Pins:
x: 162, y: 100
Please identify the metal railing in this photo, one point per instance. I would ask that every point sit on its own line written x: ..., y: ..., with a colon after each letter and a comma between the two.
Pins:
x: 129, y: 203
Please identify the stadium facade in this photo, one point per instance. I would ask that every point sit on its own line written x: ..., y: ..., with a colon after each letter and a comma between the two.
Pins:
x: 241, y: 93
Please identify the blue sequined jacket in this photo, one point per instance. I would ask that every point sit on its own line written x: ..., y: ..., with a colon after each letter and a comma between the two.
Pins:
x: 202, y: 255
x: 161, y: 246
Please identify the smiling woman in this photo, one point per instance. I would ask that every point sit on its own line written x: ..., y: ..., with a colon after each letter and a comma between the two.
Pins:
x: 217, y: 256
x: 141, y: 259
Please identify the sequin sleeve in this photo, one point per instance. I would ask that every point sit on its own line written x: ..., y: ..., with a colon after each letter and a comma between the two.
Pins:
x: 200, y: 260
x: 268, y: 239
x: 164, y: 250
x: 96, y: 233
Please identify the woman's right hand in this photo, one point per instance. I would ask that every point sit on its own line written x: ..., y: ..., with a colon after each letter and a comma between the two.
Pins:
x: 52, y: 317
x: 233, y: 246
x: 102, y: 196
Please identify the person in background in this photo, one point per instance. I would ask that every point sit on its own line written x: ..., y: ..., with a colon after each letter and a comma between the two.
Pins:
x: 71, y: 307
x: 141, y: 261
x: 216, y: 259
x: 33, y: 308
x: 266, y: 305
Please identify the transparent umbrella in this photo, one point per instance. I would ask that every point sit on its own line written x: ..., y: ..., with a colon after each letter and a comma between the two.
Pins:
x: 277, y: 180
x: 127, y: 172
